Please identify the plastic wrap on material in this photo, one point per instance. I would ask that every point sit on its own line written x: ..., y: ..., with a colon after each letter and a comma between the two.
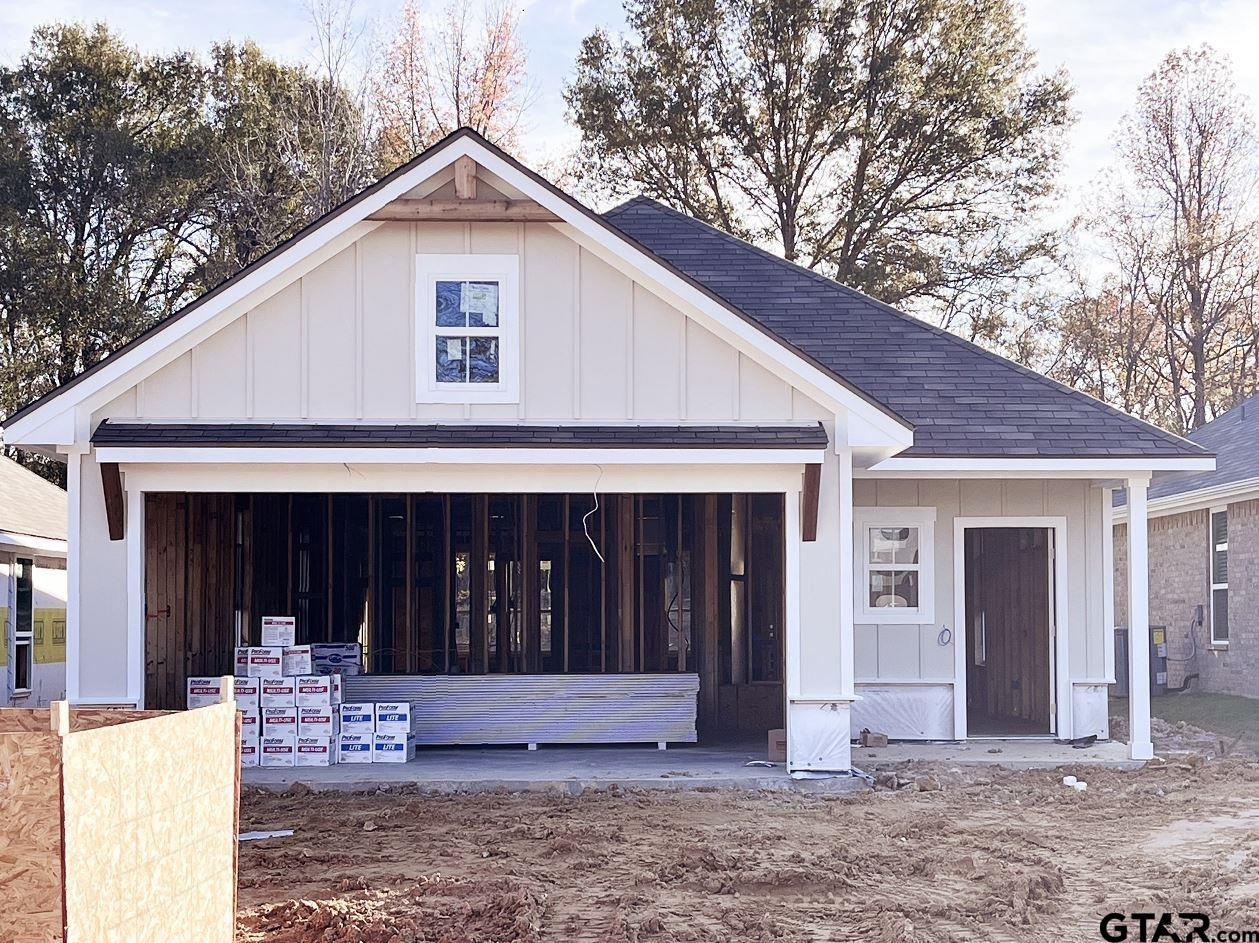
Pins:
x: 479, y: 709
x: 905, y: 711
x: 818, y: 737
x: 1090, y: 712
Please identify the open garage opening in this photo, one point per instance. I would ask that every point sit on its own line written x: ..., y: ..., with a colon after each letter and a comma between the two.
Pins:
x: 481, y: 586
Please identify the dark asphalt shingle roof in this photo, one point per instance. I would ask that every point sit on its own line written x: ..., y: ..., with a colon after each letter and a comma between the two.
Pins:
x: 960, y: 399
x: 458, y: 435
x: 1233, y: 437
x: 29, y: 504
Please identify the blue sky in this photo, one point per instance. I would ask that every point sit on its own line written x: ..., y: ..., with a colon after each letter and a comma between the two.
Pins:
x: 1107, y: 46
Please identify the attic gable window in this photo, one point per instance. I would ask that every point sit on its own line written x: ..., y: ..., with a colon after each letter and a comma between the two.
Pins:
x: 468, y: 338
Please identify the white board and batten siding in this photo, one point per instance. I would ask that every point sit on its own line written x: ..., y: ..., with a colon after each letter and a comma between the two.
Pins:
x: 338, y: 344
x: 906, y: 673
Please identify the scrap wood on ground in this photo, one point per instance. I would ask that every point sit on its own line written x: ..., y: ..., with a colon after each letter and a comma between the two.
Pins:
x: 948, y: 854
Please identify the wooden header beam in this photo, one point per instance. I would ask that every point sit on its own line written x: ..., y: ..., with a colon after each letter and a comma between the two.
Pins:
x: 465, y: 211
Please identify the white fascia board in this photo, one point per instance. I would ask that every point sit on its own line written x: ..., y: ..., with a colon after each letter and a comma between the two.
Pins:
x: 48, y: 546
x: 617, y: 251
x: 1030, y: 467
x: 504, y: 455
x: 1230, y: 493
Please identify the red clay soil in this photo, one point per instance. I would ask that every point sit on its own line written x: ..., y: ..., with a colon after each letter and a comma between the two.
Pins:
x: 932, y: 855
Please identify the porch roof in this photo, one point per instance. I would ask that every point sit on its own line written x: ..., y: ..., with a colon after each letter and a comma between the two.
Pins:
x: 458, y: 435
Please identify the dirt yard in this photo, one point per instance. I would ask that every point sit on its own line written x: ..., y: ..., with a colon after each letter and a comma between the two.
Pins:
x: 930, y: 855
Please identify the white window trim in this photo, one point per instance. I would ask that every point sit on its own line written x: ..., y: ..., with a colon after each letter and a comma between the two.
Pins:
x: 505, y: 269
x: 21, y: 637
x: 1211, y: 549
x: 924, y: 519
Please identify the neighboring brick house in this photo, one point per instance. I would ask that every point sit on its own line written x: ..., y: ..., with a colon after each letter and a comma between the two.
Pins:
x: 1204, y: 551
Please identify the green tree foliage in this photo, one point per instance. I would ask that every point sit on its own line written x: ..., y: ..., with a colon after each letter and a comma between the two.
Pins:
x: 897, y: 145
x: 101, y: 172
x: 130, y: 184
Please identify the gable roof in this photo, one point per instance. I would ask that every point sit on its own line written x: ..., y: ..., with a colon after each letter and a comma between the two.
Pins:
x: 962, y: 400
x: 888, y: 427
x: 30, y: 505
x: 897, y: 371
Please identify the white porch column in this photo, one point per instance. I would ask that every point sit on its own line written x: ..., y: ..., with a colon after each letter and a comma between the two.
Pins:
x: 819, y: 626
x: 135, y: 597
x: 74, y: 556
x: 1140, y: 746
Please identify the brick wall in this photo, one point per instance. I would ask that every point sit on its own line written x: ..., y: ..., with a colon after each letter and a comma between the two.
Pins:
x: 1179, y: 581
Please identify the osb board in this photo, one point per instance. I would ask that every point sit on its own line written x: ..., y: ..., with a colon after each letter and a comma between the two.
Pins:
x: 30, y: 837
x: 14, y: 719
x: 150, y: 810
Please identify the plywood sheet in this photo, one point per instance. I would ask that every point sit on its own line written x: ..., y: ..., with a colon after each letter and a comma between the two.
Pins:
x: 155, y: 864
x: 30, y: 835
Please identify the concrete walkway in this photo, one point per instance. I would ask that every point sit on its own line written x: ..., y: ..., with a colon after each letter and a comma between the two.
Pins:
x: 1010, y: 754
x: 565, y: 770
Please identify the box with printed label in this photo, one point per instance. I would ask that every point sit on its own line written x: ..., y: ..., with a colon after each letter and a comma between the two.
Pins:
x: 393, y: 717
x: 358, y: 717
x: 276, y: 751
x: 279, y: 720
x: 314, y: 751
x: 336, y: 658
x: 354, y: 748
x: 250, y: 722
x: 276, y: 692
x: 336, y: 689
x: 297, y: 661
x: 313, y: 691
x: 242, y: 663
x: 317, y: 722
x: 392, y: 748
x: 202, y: 692
x: 280, y: 631
x: 247, y: 693
x: 265, y: 662
x: 248, y: 750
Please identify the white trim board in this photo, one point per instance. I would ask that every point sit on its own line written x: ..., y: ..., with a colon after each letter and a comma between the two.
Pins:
x: 296, y: 455
x: 1061, y: 664
x: 1202, y: 499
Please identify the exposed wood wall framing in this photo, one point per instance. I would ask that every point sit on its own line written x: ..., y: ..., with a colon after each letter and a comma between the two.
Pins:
x: 479, y: 584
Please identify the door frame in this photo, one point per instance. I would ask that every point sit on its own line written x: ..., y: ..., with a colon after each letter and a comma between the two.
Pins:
x: 1059, y: 665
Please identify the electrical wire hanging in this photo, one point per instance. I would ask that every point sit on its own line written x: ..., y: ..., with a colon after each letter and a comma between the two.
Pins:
x: 585, y: 518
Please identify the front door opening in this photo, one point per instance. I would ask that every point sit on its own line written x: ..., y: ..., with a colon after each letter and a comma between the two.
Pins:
x: 1009, y: 637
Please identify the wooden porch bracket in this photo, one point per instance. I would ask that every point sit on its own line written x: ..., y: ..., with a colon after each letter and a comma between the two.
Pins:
x: 812, y: 494
x: 115, y: 514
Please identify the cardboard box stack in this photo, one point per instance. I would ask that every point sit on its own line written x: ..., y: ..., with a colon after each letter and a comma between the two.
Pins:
x: 290, y: 699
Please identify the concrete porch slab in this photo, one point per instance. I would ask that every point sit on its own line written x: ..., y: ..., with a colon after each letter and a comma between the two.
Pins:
x: 1010, y: 754
x: 564, y: 770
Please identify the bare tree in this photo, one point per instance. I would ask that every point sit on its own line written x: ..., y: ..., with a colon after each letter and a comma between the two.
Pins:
x: 1178, y: 220
x: 467, y: 70
x: 342, y: 158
